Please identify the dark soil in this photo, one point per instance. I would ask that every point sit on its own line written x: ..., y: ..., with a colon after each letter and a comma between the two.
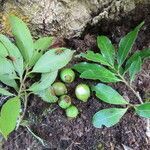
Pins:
x: 50, y: 123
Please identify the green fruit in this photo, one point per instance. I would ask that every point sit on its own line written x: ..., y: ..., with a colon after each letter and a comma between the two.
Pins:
x: 67, y: 75
x: 59, y: 88
x: 72, y: 112
x: 82, y: 92
x: 64, y: 102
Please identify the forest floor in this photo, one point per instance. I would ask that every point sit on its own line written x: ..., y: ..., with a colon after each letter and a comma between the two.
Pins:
x: 49, y: 121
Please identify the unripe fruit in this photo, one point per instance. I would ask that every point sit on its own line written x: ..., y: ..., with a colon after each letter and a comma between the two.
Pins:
x: 64, y: 102
x: 67, y: 75
x: 82, y: 92
x: 59, y: 88
x: 72, y: 112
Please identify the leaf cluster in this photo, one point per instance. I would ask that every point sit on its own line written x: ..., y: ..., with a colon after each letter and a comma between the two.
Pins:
x: 111, y: 66
x: 20, y: 60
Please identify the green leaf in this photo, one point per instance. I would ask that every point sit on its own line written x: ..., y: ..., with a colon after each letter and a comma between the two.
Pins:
x: 143, y: 110
x: 43, y: 43
x: 3, y: 51
x: 6, y: 67
x: 107, y: 49
x: 47, y: 95
x: 8, y: 80
x: 95, y: 57
x: 108, y: 94
x: 95, y: 72
x: 126, y: 44
x: 7, y: 74
x: 143, y: 54
x: 9, y: 115
x: 108, y: 117
x: 14, y: 52
x: 40, y: 46
x: 23, y: 37
x: 135, y: 68
x: 5, y: 92
x: 46, y: 80
x: 53, y: 60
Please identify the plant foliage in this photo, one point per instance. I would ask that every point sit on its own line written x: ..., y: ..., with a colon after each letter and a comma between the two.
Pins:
x: 111, y: 65
x: 19, y: 61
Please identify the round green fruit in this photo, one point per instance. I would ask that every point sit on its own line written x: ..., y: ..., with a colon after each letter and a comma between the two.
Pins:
x: 64, y: 102
x: 82, y: 92
x: 67, y: 75
x: 72, y: 112
x: 59, y: 88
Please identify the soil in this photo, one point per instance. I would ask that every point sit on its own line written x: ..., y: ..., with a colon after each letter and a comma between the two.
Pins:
x: 49, y: 121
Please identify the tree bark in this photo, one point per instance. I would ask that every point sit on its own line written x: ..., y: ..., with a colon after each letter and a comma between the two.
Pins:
x: 69, y: 18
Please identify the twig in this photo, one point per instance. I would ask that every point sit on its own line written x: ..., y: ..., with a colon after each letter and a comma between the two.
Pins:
x: 24, y: 110
x: 140, y: 99
x: 131, y: 88
x: 22, y: 81
x: 37, y: 137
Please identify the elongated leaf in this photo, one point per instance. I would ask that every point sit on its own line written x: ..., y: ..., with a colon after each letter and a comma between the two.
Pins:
x: 43, y: 43
x: 95, y: 57
x: 5, y: 92
x: 46, y: 81
x: 143, y: 54
x: 108, y: 117
x: 53, y: 60
x: 104, y: 77
x: 143, y: 110
x: 9, y: 115
x: 40, y: 46
x: 7, y: 71
x: 126, y: 44
x: 35, y: 58
x: 135, y: 68
x: 95, y: 72
x: 108, y: 94
x: 107, y: 49
x: 13, y: 52
x: 3, y: 51
x: 8, y: 80
x: 23, y: 37
x: 6, y: 67
x: 47, y: 95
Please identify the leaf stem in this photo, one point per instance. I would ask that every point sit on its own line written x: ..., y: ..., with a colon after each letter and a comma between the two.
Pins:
x: 139, y: 98
x: 24, y: 110
x: 22, y: 84
x: 130, y: 87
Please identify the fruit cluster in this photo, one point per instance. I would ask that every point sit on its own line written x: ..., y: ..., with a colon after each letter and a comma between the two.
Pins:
x: 82, y: 92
